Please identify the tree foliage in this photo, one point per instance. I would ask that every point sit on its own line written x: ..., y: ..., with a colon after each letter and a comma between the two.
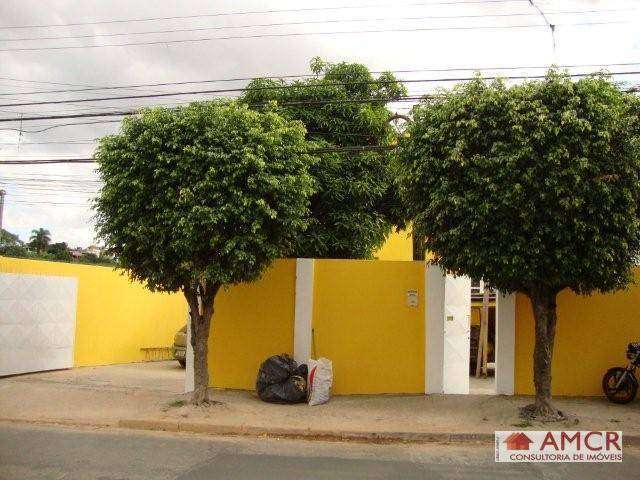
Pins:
x: 355, y: 204
x: 59, y: 251
x: 212, y: 192
x: 40, y: 239
x: 9, y: 239
x: 199, y: 197
x: 534, y: 188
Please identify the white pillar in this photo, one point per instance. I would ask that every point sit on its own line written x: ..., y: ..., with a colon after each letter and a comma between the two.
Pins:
x: 434, y: 281
x: 303, y: 310
x: 189, y: 379
x: 505, y: 342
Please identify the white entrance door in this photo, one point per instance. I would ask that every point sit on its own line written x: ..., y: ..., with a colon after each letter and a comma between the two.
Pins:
x: 457, y: 319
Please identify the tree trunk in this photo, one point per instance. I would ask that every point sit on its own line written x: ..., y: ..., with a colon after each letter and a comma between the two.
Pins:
x: 200, y: 312
x: 544, y: 311
x: 417, y: 241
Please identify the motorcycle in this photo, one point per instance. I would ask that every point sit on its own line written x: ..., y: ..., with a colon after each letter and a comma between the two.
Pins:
x: 619, y: 383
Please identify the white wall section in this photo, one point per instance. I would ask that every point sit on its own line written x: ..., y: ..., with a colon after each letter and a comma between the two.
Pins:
x: 303, y: 310
x: 434, y: 284
x: 189, y: 378
x: 37, y: 322
x: 505, y: 342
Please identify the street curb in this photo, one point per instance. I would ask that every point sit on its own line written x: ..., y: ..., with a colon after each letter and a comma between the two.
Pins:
x: 307, y: 434
x: 286, y: 433
x: 323, y: 435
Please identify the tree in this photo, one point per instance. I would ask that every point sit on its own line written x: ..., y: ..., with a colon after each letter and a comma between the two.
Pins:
x: 89, y: 258
x: 9, y: 239
x: 343, y: 108
x: 201, y: 197
x: 39, y: 240
x: 59, y: 251
x: 11, y: 245
x: 18, y: 251
x: 534, y: 188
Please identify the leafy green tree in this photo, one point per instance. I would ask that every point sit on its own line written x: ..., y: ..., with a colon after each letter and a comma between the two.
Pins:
x: 534, y: 188
x: 9, y: 239
x: 11, y: 245
x: 59, y: 251
x: 40, y: 239
x: 343, y: 108
x: 201, y: 197
x: 17, y: 251
x: 90, y: 258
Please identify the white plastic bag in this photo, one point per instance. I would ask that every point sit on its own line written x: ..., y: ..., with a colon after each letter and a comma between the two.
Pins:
x: 319, y: 381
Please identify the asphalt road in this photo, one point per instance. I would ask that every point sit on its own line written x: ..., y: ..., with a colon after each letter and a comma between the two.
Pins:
x: 30, y: 452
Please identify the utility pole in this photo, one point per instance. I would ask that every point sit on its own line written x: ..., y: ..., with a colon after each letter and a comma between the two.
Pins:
x: 2, y: 194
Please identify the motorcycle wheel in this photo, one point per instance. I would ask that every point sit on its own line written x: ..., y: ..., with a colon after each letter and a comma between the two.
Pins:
x: 625, y: 393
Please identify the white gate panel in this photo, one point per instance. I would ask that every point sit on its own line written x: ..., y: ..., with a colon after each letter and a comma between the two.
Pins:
x: 37, y: 322
x: 457, y: 328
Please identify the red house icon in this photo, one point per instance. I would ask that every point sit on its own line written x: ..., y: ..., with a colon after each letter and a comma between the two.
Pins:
x: 518, y: 441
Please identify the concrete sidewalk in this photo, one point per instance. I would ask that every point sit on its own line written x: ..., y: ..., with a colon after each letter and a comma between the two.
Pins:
x: 148, y: 396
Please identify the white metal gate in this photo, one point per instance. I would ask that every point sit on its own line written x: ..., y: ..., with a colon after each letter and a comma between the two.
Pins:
x: 37, y: 322
x: 457, y: 327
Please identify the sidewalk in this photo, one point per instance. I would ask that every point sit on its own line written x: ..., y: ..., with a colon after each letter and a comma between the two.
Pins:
x: 148, y: 396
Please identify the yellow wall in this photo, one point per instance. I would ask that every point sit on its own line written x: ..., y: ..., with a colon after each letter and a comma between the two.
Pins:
x: 362, y: 323
x: 592, y: 334
x: 398, y: 246
x: 115, y: 318
x: 476, y: 313
x: 252, y: 322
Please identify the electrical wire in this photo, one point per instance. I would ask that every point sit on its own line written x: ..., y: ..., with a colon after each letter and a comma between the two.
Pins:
x: 302, y: 76
x: 259, y: 12
x: 264, y: 88
x: 303, y: 34
x: 306, y: 22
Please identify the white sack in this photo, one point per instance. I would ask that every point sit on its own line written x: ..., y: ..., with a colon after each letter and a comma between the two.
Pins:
x: 319, y: 381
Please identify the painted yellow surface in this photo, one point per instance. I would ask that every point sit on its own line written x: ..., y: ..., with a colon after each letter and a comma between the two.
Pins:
x: 592, y: 334
x: 476, y: 311
x: 252, y: 322
x: 362, y: 322
x: 475, y: 315
x: 398, y: 246
x: 115, y: 318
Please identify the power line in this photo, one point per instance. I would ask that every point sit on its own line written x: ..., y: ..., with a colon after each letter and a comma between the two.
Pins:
x: 350, y: 148
x: 44, y: 182
x: 48, y: 83
x: 47, y: 203
x: 91, y: 142
x: 45, y: 129
x: 257, y: 12
x: 551, y: 26
x: 199, y: 92
x: 301, y: 76
x: 306, y: 22
x: 274, y: 87
x: 302, y: 34
x: 46, y: 162
x: 46, y: 177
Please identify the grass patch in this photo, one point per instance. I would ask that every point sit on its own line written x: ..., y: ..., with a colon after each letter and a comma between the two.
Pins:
x: 177, y: 403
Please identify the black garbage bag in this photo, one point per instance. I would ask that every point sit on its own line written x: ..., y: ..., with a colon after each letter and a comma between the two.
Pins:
x: 302, y: 370
x: 281, y: 380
